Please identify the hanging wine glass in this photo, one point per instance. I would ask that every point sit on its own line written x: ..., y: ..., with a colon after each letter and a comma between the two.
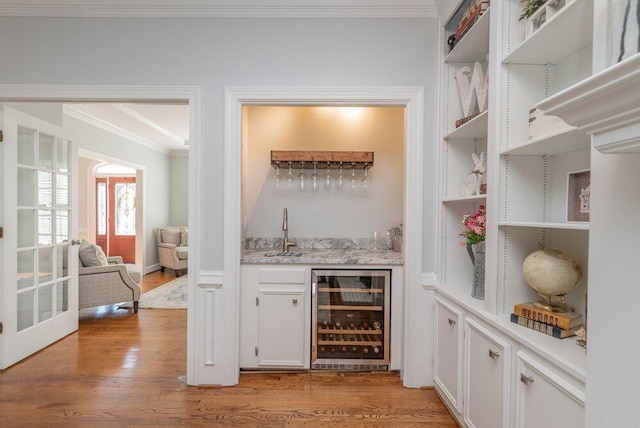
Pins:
x: 314, y: 176
x: 277, y: 177
x: 365, y: 178
x: 340, y: 175
x: 352, y: 180
x: 327, y: 176
x: 290, y: 178
x: 302, y: 177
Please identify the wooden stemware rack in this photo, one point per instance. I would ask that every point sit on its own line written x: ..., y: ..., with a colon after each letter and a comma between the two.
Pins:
x: 360, y: 160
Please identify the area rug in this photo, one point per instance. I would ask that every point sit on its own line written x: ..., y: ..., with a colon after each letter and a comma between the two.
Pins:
x: 172, y: 295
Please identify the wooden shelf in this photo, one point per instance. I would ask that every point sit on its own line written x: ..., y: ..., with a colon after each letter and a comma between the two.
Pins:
x: 474, y: 46
x: 349, y: 308
x: 361, y: 160
x: 350, y: 290
x: 566, y: 32
x: 350, y: 331
x: 553, y: 144
x: 351, y: 342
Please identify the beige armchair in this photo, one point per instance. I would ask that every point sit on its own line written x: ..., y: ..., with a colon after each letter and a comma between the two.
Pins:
x: 105, y: 280
x: 173, y: 249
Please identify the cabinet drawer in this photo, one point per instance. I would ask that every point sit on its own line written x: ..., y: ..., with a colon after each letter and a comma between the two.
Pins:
x: 282, y: 275
x: 545, y: 398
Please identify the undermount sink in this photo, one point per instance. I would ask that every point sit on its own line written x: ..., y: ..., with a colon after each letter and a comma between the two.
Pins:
x: 282, y: 253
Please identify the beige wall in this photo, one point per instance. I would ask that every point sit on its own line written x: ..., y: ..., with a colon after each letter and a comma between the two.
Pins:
x: 327, y: 212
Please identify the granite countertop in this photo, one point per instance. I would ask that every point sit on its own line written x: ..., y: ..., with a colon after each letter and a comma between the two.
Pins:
x: 324, y: 256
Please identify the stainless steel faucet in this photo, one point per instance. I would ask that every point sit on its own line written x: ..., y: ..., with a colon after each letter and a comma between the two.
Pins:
x: 285, y: 227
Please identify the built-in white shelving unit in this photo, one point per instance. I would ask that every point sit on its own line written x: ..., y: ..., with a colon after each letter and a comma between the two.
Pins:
x: 474, y: 46
x: 527, y: 177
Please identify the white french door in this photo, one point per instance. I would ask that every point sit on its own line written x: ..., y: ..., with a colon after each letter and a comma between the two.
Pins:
x: 39, y: 269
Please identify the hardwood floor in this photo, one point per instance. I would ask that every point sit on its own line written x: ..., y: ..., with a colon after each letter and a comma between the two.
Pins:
x: 156, y: 279
x: 129, y: 369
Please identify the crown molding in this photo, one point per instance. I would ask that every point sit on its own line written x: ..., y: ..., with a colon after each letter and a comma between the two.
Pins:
x: 99, y: 123
x: 220, y: 8
x: 151, y: 124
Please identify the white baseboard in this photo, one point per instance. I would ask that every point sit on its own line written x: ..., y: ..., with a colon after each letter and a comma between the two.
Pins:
x: 152, y: 268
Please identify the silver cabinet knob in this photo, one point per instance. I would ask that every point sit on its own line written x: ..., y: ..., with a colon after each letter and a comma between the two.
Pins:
x: 452, y: 321
x: 295, y: 301
x: 527, y: 380
x: 493, y: 355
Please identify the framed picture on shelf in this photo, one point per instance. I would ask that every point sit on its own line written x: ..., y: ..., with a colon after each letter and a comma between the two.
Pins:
x: 578, y: 196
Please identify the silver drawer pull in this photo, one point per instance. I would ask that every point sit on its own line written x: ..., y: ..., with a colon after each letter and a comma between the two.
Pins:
x: 452, y: 322
x: 526, y: 379
x: 493, y: 355
x: 295, y: 301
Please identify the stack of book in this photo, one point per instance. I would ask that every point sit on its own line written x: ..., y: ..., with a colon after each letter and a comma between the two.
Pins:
x: 473, y: 12
x: 556, y: 324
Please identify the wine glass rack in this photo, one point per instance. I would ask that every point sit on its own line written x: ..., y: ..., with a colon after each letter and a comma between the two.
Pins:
x: 359, y: 160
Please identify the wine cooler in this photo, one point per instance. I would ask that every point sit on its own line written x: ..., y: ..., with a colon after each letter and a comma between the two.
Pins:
x: 350, y: 319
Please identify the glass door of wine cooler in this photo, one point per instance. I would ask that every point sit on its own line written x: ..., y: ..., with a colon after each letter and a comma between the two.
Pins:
x: 350, y: 319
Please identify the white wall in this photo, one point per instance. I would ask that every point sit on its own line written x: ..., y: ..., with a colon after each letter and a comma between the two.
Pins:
x: 85, y: 166
x: 214, y: 53
x: 614, y: 251
x: 325, y: 213
x: 178, y: 188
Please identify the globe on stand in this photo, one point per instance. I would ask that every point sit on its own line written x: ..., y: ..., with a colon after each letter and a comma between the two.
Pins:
x: 552, y: 274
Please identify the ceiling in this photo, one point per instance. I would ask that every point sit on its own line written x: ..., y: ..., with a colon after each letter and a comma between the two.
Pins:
x: 162, y: 127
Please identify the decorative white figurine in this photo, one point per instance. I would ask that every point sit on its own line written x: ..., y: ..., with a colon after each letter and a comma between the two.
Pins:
x: 471, y: 185
x: 585, y: 196
x: 472, y: 93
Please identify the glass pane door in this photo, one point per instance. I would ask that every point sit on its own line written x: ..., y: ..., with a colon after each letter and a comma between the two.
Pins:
x: 38, y: 267
x: 43, y: 227
x: 350, y: 319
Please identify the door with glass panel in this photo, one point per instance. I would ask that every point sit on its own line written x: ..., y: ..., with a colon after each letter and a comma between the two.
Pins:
x: 116, y: 216
x: 39, y: 267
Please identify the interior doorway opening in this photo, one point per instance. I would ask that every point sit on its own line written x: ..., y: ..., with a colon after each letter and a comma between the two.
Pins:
x: 46, y: 98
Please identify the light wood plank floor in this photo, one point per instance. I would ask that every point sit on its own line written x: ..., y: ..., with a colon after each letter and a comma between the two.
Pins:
x: 130, y: 370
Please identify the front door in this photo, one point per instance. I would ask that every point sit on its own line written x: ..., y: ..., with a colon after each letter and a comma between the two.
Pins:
x: 39, y: 269
x: 116, y: 216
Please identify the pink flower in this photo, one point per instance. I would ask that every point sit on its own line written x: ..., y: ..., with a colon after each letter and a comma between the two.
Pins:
x: 474, y: 227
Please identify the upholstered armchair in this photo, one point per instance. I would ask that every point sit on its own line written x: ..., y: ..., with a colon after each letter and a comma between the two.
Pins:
x: 106, y: 280
x: 173, y: 249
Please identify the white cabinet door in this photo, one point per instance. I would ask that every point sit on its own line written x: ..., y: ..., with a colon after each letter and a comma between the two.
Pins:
x: 488, y: 363
x: 275, y: 317
x: 545, y: 399
x: 281, y: 331
x: 448, y: 352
